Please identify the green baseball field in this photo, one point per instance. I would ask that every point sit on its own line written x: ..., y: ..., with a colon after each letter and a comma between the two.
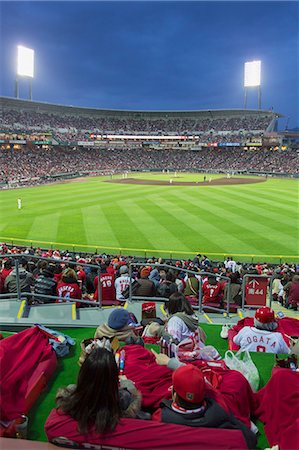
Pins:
x: 159, y: 214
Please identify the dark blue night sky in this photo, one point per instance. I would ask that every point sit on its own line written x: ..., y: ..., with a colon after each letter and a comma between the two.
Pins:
x: 154, y: 55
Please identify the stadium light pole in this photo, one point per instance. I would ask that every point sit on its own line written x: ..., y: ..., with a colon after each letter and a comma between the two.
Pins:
x: 25, y: 68
x: 252, y: 78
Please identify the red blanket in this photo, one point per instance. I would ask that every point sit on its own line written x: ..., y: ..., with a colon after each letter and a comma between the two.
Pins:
x: 234, y: 393
x: 145, y: 435
x: 277, y: 406
x: 286, y: 325
x: 23, y: 357
x: 153, y: 381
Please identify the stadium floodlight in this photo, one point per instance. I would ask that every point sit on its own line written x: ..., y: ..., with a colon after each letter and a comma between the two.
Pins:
x: 25, y: 62
x: 252, y: 78
x: 252, y: 74
x: 25, y: 68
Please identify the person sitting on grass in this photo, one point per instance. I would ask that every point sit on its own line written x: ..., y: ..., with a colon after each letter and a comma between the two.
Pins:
x: 119, y: 325
x: 192, y: 405
x: 263, y: 337
x: 182, y: 322
x: 99, y: 398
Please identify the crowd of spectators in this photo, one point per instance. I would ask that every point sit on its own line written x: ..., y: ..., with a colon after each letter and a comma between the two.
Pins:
x: 23, y: 119
x: 36, y: 164
x: 72, y: 279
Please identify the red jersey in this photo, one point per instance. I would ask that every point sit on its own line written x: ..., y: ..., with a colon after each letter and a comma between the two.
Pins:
x: 67, y: 291
x: 107, y: 287
x: 81, y: 275
x: 5, y: 273
x: 211, y: 292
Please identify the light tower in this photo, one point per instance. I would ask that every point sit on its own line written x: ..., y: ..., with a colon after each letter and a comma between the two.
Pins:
x: 25, y: 68
x: 252, y: 78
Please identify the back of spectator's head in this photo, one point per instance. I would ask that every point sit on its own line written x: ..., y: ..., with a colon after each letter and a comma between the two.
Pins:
x: 178, y: 303
x: 42, y: 264
x: 170, y: 275
x: 212, y: 280
x: 119, y: 318
x: 188, y: 386
x: 295, y: 278
x: 24, y: 262
x: 145, y: 271
x: 264, y: 319
x: 123, y: 269
x: 7, y: 264
x: 234, y: 277
x: 95, y: 400
x: 69, y: 274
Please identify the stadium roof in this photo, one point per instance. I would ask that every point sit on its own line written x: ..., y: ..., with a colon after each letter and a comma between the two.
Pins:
x: 10, y: 102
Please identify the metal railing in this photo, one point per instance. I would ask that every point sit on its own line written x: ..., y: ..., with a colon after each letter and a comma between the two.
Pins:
x: 198, y: 275
x: 20, y: 295
x: 155, y: 266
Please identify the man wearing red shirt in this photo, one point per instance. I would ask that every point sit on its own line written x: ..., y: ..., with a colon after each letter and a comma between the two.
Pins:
x: 107, y: 287
x: 212, y: 291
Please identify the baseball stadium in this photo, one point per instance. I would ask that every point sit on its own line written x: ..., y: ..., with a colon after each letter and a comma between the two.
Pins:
x: 149, y: 279
x: 207, y: 192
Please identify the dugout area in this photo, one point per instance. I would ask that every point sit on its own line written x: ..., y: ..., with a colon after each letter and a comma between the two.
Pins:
x: 68, y: 368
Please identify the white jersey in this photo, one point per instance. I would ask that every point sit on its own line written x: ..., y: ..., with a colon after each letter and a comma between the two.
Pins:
x: 121, y: 283
x: 231, y: 265
x: 177, y: 328
x: 254, y: 340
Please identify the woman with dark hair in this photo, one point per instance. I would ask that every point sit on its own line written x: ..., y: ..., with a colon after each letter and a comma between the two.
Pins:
x: 98, y: 400
x: 182, y: 322
x: 168, y: 286
x: 235, y: 289
x: 95, y: 398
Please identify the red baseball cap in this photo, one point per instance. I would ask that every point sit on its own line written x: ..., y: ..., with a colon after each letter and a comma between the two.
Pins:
x: 188, y: 382
x: 265, y: 315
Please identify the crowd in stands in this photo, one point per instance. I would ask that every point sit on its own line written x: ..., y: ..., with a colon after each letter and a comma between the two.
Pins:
x: 31, y: 163
x: 72, y: 280
x: 123, y: 395
x: 28, y: 119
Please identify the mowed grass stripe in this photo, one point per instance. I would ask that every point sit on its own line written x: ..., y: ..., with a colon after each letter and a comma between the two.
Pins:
x: 258, y: 203
x: 19, y: 226
x: 158, y: 235
x: 216, y: 216
x: 86, y: 199
x: 177, y: 227
x: 129, y: 236
x: 251, y: 217
x: 227, y: 230
x: 44, y: 225
x: 195, y: 226
x: 97, y: 228
x: 283, y: 200
x: 71, y: 227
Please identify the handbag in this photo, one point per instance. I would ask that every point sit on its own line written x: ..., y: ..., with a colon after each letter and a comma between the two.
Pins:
x: 242, y: 362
